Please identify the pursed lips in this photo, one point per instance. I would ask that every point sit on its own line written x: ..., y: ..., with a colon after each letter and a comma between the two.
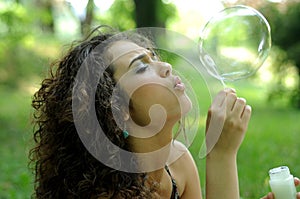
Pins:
x: 178, y: 84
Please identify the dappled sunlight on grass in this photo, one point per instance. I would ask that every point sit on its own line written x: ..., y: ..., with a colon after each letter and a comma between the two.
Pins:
x: 45, y: 47
x: 24, y: 67
x: 15, y: 128
x: 30, y: 87
x: 272, y: 140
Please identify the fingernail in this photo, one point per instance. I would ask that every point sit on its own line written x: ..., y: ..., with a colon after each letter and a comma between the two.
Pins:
x: 230, y: 89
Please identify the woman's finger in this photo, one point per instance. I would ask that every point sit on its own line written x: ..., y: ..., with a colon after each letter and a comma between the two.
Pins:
x: 269, y: 196
x: 246, y: 113
x: 239, y: 106
x: 219, y: 99
x: 297, y: 181
x: 230, y: 101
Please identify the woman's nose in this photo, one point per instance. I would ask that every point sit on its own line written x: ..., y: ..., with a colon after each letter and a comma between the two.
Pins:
x: 165, y: 69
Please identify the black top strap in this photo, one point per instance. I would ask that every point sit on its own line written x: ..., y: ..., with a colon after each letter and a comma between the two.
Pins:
x: 175, y: 193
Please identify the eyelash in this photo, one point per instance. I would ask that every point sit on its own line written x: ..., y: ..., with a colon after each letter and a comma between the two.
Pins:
x: 145, y: 66
x: 142, y: 68
x: 154, y: 56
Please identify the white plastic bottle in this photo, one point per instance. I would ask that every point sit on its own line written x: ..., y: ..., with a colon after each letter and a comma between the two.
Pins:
x: 282, y: 183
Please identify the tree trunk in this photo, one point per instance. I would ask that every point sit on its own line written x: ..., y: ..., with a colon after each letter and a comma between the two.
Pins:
x: 46, y: 18
x: 297, y: 95
x: 86, y: 24
x: 145, y: 13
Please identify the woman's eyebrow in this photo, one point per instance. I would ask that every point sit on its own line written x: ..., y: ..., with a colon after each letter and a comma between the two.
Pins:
x: 137, y: 58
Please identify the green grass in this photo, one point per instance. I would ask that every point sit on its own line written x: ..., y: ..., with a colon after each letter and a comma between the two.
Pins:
x: 272, y: 139
x: 21, y: 69
x: 15, y: 177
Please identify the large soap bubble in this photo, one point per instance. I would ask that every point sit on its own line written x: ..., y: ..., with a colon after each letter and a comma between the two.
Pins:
x: 235, y: 43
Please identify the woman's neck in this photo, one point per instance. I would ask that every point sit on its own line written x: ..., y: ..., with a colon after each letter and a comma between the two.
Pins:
x: 152, y: 153
x: 153, y: 143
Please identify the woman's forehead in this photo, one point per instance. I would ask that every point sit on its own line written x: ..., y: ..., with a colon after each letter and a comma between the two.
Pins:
x: 121, y: 54
x: 120, y: 48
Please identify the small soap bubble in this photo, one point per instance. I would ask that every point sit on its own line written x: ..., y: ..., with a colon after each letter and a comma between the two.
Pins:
x: 235, y: 43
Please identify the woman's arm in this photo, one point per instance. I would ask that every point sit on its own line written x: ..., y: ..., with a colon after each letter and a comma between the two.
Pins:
x: 227, y: 123
x: 221, y: 177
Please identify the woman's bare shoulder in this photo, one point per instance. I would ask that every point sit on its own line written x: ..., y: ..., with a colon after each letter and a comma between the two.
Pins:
x: 185, y: 172
x: 180, y: 156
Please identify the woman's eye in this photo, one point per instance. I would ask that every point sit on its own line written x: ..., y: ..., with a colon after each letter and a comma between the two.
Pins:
x: 142, y: 68
x: 154, y: 57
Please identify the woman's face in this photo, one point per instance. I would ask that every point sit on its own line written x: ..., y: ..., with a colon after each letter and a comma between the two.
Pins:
x: 148, y: 82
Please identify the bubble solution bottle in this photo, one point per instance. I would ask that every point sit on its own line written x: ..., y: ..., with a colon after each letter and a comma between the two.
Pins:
x: 282, y: 183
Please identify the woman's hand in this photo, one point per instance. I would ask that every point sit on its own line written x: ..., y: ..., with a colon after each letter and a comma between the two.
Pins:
x: 227, y: 122
x: 271, y: 195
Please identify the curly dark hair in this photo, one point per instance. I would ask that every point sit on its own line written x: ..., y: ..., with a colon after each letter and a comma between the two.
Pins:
x: 63, y: 166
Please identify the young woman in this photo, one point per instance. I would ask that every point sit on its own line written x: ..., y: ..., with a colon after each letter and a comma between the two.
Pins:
x: 137, y: 102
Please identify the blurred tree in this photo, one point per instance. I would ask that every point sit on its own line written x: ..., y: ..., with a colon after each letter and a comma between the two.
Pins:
x: 125, y: 14
x: 285, y: 27
x: 252, y: 3
x: 16, y: 26
x: 123, y: 9
x: 137, y: 13
x: 86, y: 22
x: 153, y: 13
x: 145, y: 13
x: 21, y: 51
x: 284, y: 20
x: 45, y: 12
